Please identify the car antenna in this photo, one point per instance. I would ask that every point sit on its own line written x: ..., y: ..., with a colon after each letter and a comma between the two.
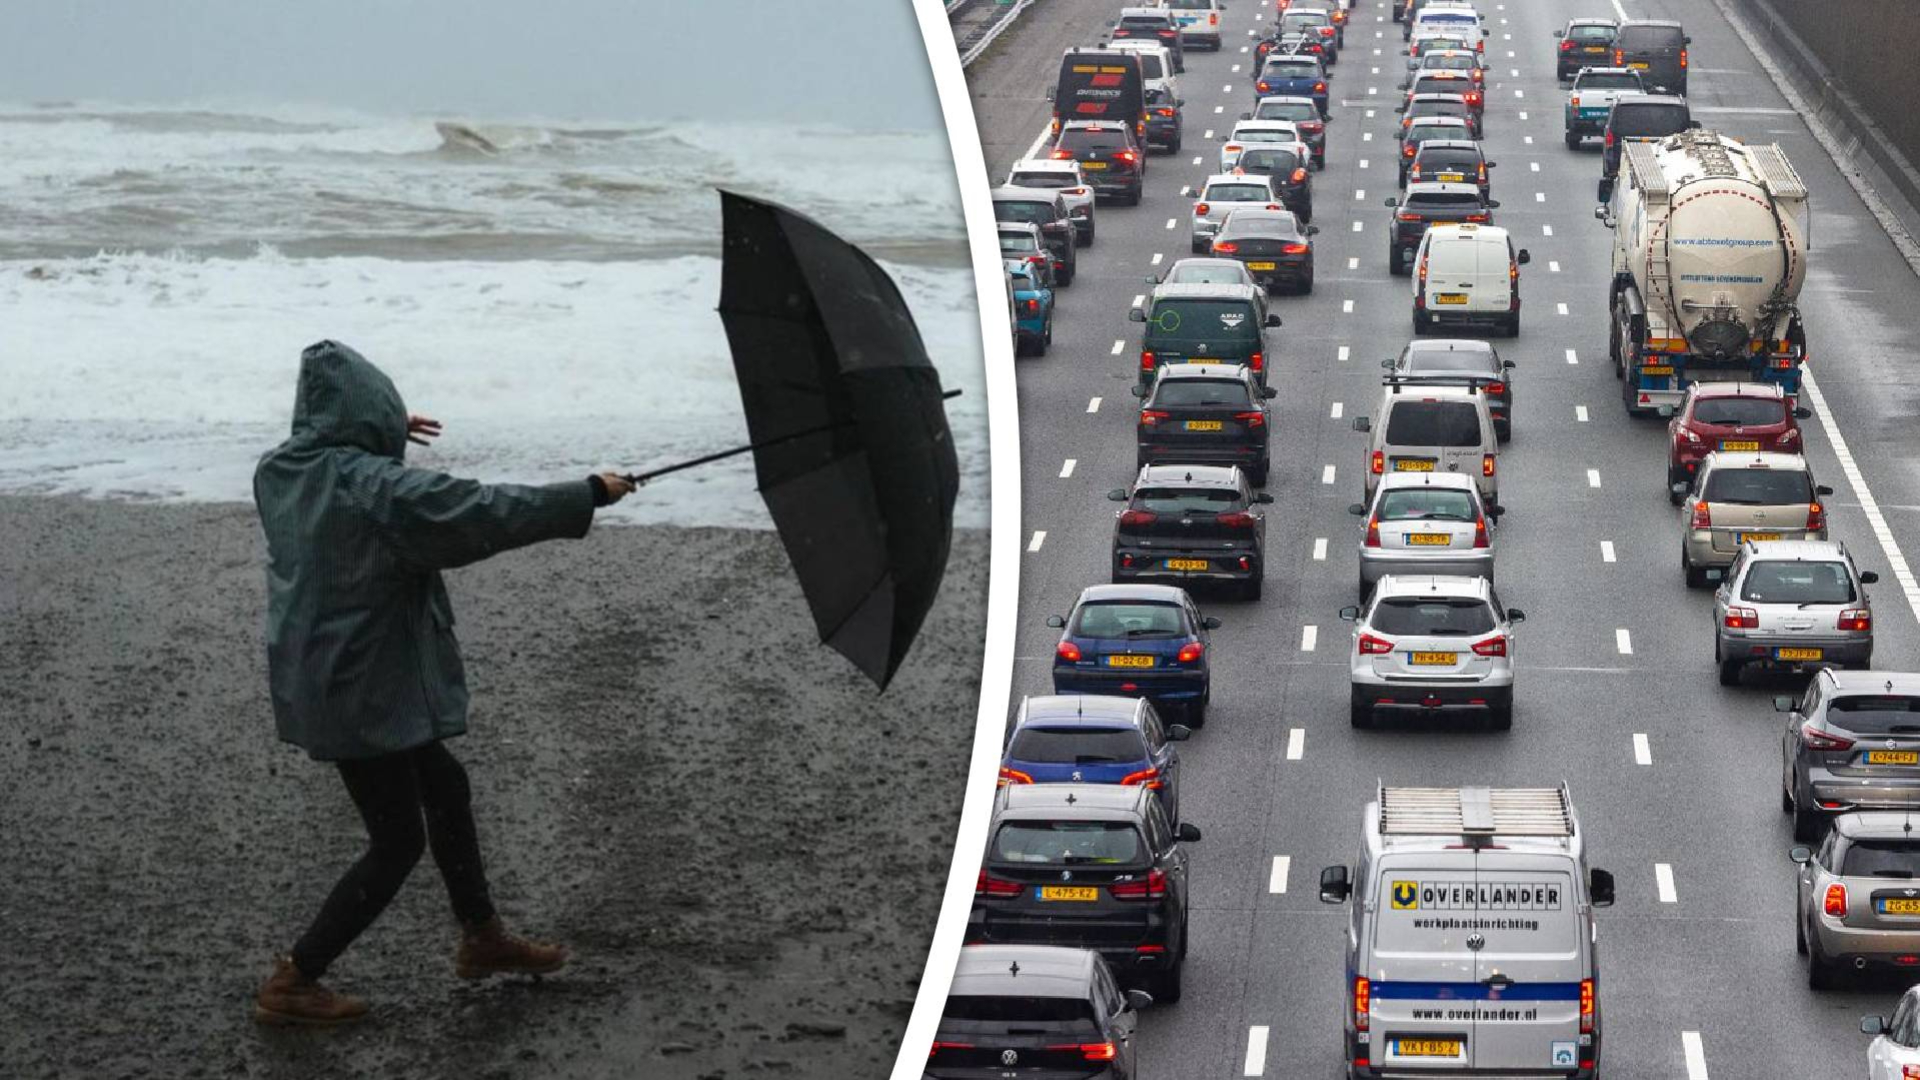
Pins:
x: 1071, y: 799
x: 1014, y: 968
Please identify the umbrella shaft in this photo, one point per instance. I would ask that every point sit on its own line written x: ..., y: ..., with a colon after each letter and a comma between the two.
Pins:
x: 641, y: 478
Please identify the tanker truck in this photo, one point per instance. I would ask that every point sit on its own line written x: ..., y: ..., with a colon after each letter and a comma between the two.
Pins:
x: 1709, y: 250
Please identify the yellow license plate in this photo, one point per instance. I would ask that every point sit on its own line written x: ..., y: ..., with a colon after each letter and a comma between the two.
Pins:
x: 1129, y: 661
x: 1899, y: 905
x: 1744, y: 537
x: 1638, y: 65
x: 1596, y: 48
x: 1896, y: 757
x: 1203, y: 425
x: 1429, y: 539
x: 1739, y: 444
x: 1434, y: 659
x: 1412, y: 465
x: 1452, y: 177
x: 1069, y: 892
x: 1186, y: 564
x: 1656, y: 369
x: 1259, y: 266
x: 1799, y: 654
x: 1450, y: 298
x: 1427, y: 1047
x: 1093, y: 165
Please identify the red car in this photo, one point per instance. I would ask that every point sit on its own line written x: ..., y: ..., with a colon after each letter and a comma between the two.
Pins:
x: 1728, y: 416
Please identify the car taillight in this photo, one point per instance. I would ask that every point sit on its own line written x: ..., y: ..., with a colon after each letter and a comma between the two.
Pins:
x: 1068, y: 651
x: 1362, y: 1002
x: 1273, y: 206
x: 1238, y: 519
x: 1153, y: 888
x: 1164, y: 112
x: 1586, y: 1006
x: 1814, y: 739
x: 1012, y: 776
x: 1225, y: 247
x: 1201, y: 209
x: 1127, y: 156
x: 1702, y: 515
x: 1374, y: 646
x: 1299, y: 176
x: 1422, y: 271
x: 1312, y: 125
x: 1101, y: 1051
x: 1740, y: 618
x: 1473, y: 99
x: 1493, y: 646
x: 1619, y: 58
x: 1835, y: 902
x: 1319, y: 88
x: 1477, y: 219
x: 1683, y: 58
x: 988, y: 885
x: 1191, y: 651
x: 1910, y: 1072
x: 1486, y: 464
x: 1032, y: 305
x: 1152, y: 417
x: 1788, y: 437
x: 1496, y: 389
x: 1146, y: 361
x: 1574, y: 101
x: 1407, y: 217
x: 1148, y: 778
x: 1379, y: 463
x: 1062, y: 155
x: 1608, y: 141
x: 1373, y: 532
x: 1293, y: 249
x: 1413, y: 175
x: 1513, y: 275
x: 1483, y: 172
x: 1262, y: 86
x: 1138, y: 517
x: 1480, y: 537
x: 1856, y: 619
x: 1687, y: 433
x: 939, y: 1046
x: 1409, y: 150
x: 1252, y: 419
x: 1566, y: 46
x: 1326, y: 31
x: 1816, y: 516
x: 1257, y: 362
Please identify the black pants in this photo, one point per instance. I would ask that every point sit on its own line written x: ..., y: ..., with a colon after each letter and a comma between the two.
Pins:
x: 409, y: 800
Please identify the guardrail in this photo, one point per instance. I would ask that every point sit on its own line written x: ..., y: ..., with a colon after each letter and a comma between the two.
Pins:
x: 976, y: 41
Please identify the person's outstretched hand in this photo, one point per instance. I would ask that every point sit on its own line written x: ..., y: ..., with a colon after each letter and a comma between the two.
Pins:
x: 618, y: 487
x: 422, y: 428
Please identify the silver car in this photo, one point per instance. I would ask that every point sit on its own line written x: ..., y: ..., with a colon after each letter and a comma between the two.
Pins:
x: 1222, y: 195
x: 1431, y: 429
x: 1852, y: 742
x: 1064, y: 177
x: 1425, y: 523
x: 1432, y: 646
x: 1205, y: 270
x: 1737, y: 497
x: 1248, y: 133
x: 1859, y: 897
x: 1792, y: 604
x: 1894, y: 1054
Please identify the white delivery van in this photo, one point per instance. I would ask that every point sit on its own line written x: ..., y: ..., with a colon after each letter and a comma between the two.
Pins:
x: 1435, y: 426
x: 1472, y: 949
x: 1467, y: 275
x: 1156, y: 64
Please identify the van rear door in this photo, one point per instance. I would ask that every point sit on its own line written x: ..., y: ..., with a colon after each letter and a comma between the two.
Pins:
x: 1529, y: 970
x: 1422, y: 975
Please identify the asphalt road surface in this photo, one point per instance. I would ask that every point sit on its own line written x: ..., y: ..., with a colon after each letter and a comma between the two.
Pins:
x: 1676, y: 778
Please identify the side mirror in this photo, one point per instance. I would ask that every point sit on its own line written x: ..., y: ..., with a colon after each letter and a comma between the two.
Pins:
x: 1334, y: 886
x: 1357, y: 509
x: 1873, y: 1025
x: 1559, y: 33
x: 1515, y: 616
x: 1269, y: 392
x: 1392, y: 202
x: 1868, y: 577
x: 1493, y: 204
x: 1492, y: 164
x: 1056, y: 621
x: 1210, y: 623
x: 1822, y: 489
x: 1137, y: 391
x: 1802, y: 413
x: 1263, y: 498
x: 1187, y: 834
x: 1151, y: 280
x: 1118, y: 494
x: 1139, y: 999
x: 1246, y: 116
x: 1404, y: 85
x: 1387, y: 363
x: 1361, y: 423
x: 1782, y: 703
x: 1273, y: 320
x: 1524, y: 256
x: 1179, y: 733
x: 1506, y: 363
x: 1313, y: 230
x: 1137, y: 315
x: 1600, y: 888
x: 1495, y: 512
x: 1350, y: 613
x: 1800, y: 853
x: 1686, y: 41
x: 1603, y: 192
x: 1050, y: 93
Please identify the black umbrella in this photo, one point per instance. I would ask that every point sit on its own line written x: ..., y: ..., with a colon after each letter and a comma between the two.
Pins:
x: 849, y: 435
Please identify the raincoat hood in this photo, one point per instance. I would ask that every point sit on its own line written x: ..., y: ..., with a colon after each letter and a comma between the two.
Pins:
x: 343, y: 400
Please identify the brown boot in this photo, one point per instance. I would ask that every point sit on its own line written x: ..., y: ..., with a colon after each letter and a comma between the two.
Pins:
x: 487, y: 949
x: 288, y: 997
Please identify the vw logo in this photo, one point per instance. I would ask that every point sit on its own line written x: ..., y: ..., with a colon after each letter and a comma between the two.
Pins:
x: 1009, y: 1057
x: 1476, y: 942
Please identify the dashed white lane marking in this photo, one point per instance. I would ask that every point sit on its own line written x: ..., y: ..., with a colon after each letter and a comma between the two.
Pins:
x: 1236, y: 68
x: 1593, y: 478
x: 1353, y: 263
x: 1228, y: 89
x: 1519, y: 93
x: 1157, y: 256
x: 1523, y: 114
x: 1696, y: 1054
x: 1580, y: 413
x: 1561, y: 308
x: 1066, y: 470
x: 1197, y: 161
x: 1623, y: 641
x: 1663, y: 881
x: 1376, y: 50
x: 1369, y: 114
x: 1219, y: 108
x: 1606, y: 551
x: 1172, y: 222
x: 1642, y: 753
x: 1572, y: 357
x: 1535, y: 166
x: 1344, y: 353
x: 1346, y: 306
x: 1296, y: 744
x: 1506, y: 37
x: 1363, y: 163
x: 1319, y: 549
x: 1277, y: 879
x: 1359, y: 193
x: 1118, y: 348
x: 1209, y: 133
x: 1516, y: 73
x: 1366, y: 136
x: 1546, y: 230
x: 1375, y: 71
x: 1326, y: 475
x: 1539, y: 196
x: 1186, y: 191
x: 1256, y: 1050
x: 1509, y: 54
x: 1357, y: 226
x: 1138, y: 299
x: 1334, y: 413
x: 1093, y: 405
x: 1896, y: 562
x: 1039, y: 537
x: 1243, y: 48
x: 1553, y: 266
x: 1309, y: 637
x: 1528, y: 139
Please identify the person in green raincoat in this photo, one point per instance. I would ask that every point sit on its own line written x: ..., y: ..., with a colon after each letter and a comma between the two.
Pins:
x: 362, y: 662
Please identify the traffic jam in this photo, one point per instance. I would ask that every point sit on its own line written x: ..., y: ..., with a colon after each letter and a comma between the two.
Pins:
x: 1354, y: 282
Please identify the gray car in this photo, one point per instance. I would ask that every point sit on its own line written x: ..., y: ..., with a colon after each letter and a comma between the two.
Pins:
x: 1737, y: 497
x: 1035, y: 1010
x: 1852, y: 742
x: 1858, y: 900
x: 1792, y: 604
x: 1425, y: 523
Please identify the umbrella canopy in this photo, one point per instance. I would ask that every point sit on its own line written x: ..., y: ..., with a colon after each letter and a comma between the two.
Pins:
x: 862, y: 476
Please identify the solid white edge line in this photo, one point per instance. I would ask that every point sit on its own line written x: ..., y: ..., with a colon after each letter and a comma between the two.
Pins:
x: 1277, y: 879
x: 1896, y: 562
x: 1256, y: 1062
x: 1296, y: 747
x: 1003, y: 578
x: 1642, y: 753
x: 1663, y: 883
x: 1690, y: 1046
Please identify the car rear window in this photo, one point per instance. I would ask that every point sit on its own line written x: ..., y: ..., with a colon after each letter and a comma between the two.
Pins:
x: 1270, y: 161
x: 1427, y: 361
x: 1145, y: 22
x: 1450, y: 63
x: 1291, y: 69
x: 1016, y: 242
x: 1634, y: 38
x: 1780, y: 581
x: 1211, y: 320
x: 1163, y: 500
x: 1739, y: 411
x: 1259, y: 193
x: 1426, y: 504
x: 1643, y: 120
x: 1202, y: 392
x: 1591, y: 33
x: 1420, y: 131
x: 1076, y: 746
x: 1287, y: 110
x: 1149, y: 66
x: 1442, y: 200
x: 1068, y: 843
x: 1875, y: 714
x: 1428, y: 616
x: 1093, y: 139
x: 1205, y: 274
x: 1433, y: 423
x: 1190, y: 5
x: 1037, y: 213
x: 1449, y: 157
x: 1262, y: 224
x: 1607, y: 80
x: 1265, y: 135
x: 1303, y: 20
x: 1043, y: 180
x: 1758, y: 487
x: 1881, y: 858
x: 1001, y: 1011
x: 1129, y: 619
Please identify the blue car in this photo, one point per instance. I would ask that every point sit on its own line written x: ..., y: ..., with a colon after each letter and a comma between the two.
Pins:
x: 1032, y: 309
x: 1090, y: 739
x: 1138, y: 641
x: 1292, y: 75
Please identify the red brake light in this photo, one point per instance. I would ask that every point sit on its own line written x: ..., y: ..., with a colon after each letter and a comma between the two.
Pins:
x: 1480, y: 538
x: 1149, y: 778
x: 1740, y: 618
x: 1293, y: 249
x: 1138, y: 517
x: 1586, y: 1006
x: 1257, y: 362
x: 1478, y: 219
x: 1312, y: 125
x: 1068, y: 651
x: 1566, y: 46
x: 1816, y: 516
x: 1225, y: 247
x: 1273, y: 206
x: 1239, y: 519
x: 1619, y: 58
x: 1190, y: 652
x: 1814, y: 739
x: 987, y: 885
x: 1409, y: 150
x: 1262, y: 86
x: 1483, y: 172
x: 1835, y: 902
x: 1856, y: 619
x: 1493, y: 646
x: 1103, y: 1051
x: 939, y: 1046
x: 1152, y: 417
x: 1126, y: 155
x: 1702, y: 516
x: 1146, y: 361
x: 1373, y: 532
x: 1486, y: 464
x: 1201, y: 209
x: 1153, y: 888
x: 1496, y: 389
x: 1683, y: 58
x: 1062, y: 155
x: 1379, y: 462
x: 1165, y: 112
x: 1319, y: 88
x: 1609, y: 139
x: 1033, y: 305
x: 1299, y: 176
x: 1011, y: 776
x: 1252, y: 419
x: 1362, y: 1002
x: 1374, y: 646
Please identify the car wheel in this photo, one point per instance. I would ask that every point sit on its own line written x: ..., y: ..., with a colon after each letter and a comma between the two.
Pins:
x: 1257, y: 476
x: 1503, y: 430
x: 1808, y: 825
x: 1306, y: 212
x: 1822, y: 974
x: 1306, y: 285
x: 1199, y: 248
x: 1165, y: 987
x: 1730, y: 672
x: 1174, y: 147
x: 1196, y: 713
x: 1786, y: 799
x: 1500, y: 717
x: 1252, y: 589
x: 1419, y: 325
x: 1360, y: 708
x: 1799, y: 934
x: 1696, y: 577
x: 1573, y: 141
x: 1675, y: 497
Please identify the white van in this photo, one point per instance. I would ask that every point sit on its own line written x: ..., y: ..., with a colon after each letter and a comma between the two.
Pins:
x: 1156, y: 64
x: 1199, y: 21
x: 1467, y: 275
x: 1472, y: 948
x: 1429, y: 425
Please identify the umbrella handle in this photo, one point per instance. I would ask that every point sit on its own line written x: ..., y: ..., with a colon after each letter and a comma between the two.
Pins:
x: 637, y: 479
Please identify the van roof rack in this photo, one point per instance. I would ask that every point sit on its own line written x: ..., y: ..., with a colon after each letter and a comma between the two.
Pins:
x: 1476, y: 814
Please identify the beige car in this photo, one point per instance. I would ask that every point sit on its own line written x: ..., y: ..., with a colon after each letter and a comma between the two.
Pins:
x: 1736, y: 497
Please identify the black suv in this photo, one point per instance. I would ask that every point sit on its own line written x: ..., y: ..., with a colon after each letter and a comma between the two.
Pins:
x: 1136, y: 24
x: 1460, y: 360
x: 1038, y: 206
x: 1451, y: 161
x: 1289, y: 167
x: 1035, y: 1010
x: 1099, y: 866
x: 1163, y: 120
x: 1205, y: 414
x: 1427, y: 204
x: 1112, y: 162
x: 1657, y: 49
x: 1584, y: 43
x: 1191, y: 524
x: 1638, y: 118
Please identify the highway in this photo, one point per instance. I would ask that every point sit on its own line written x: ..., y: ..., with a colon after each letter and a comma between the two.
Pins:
x: 1676, y: 778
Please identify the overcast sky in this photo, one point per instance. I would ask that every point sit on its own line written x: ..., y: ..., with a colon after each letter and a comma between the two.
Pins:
x: 855, y: 63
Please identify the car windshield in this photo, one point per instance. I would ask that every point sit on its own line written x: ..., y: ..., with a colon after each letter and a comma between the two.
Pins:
x: 1777, y: 581
x: 1022, y: 279
x: 1016, y: 242
x: 1287, y: 110
x: 1129, y: 619
x: 1149, y: 67
x: 1208, y: 274
x: 1043, y: 180
x: 1009, y: 210
x: 1738, y: 411
x: 1294, y: 23
x: 1070, y: 843
x: 1881, y: 858
x: 1645, y: 120
x: 982, y: 1013
x: 1591, y: 33
x: 1875, y: 714
x: 1074, y: 139
x: 1164, y: 500
x: 1259, y: 193
x: 1076, y: 746
x: 1637, y: 38
x: 1433, y: 423
x: 1758, y: 487
x: 1607, y: 80
x: 1427, y: 504
x: 1202, y: 392
x: 1442, y: 201
x: 1412, y: 615
x: 1270, y: 161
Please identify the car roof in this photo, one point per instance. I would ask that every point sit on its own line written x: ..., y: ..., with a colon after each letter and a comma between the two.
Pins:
x: 1770, y: 391
x: 1449, y: 345
x: 1094, y: 125
x: 1800, y: 550
x: 1438, y: 187
x: 1876, y: 824
x: 1224, y: 178
x: 1857, y: 681
x: 1267, y: 124
x: 1634, y: 97
x: 1016, y: 193
x: 1448, y: 585
x: 1163, y: 594
x: 1592, y: 21
x: 1394, y: 481
x: 1207, y: 290
x: 1019, y: 268
x: 1205, y: 261
x: 1053, y: 708
x: 1019, y: 227
x: 1083, y: 802
x: 1468, y: 53
x: 1126, y: 11
x: 1421, y: 390
x: 1045, y: 971
x: 1198, y: 476
x: 1650, y: 22
x: 1756, y: 459
x: 1249, y: 213
x: 1045, y: 165
x: 1450, y: 144
x: 1442, y: 121
x: 1426, y: 97
x: 1595, y: 69
x: 1287, y: 99
x: 1461, y: 230
x: 1203, y: 370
